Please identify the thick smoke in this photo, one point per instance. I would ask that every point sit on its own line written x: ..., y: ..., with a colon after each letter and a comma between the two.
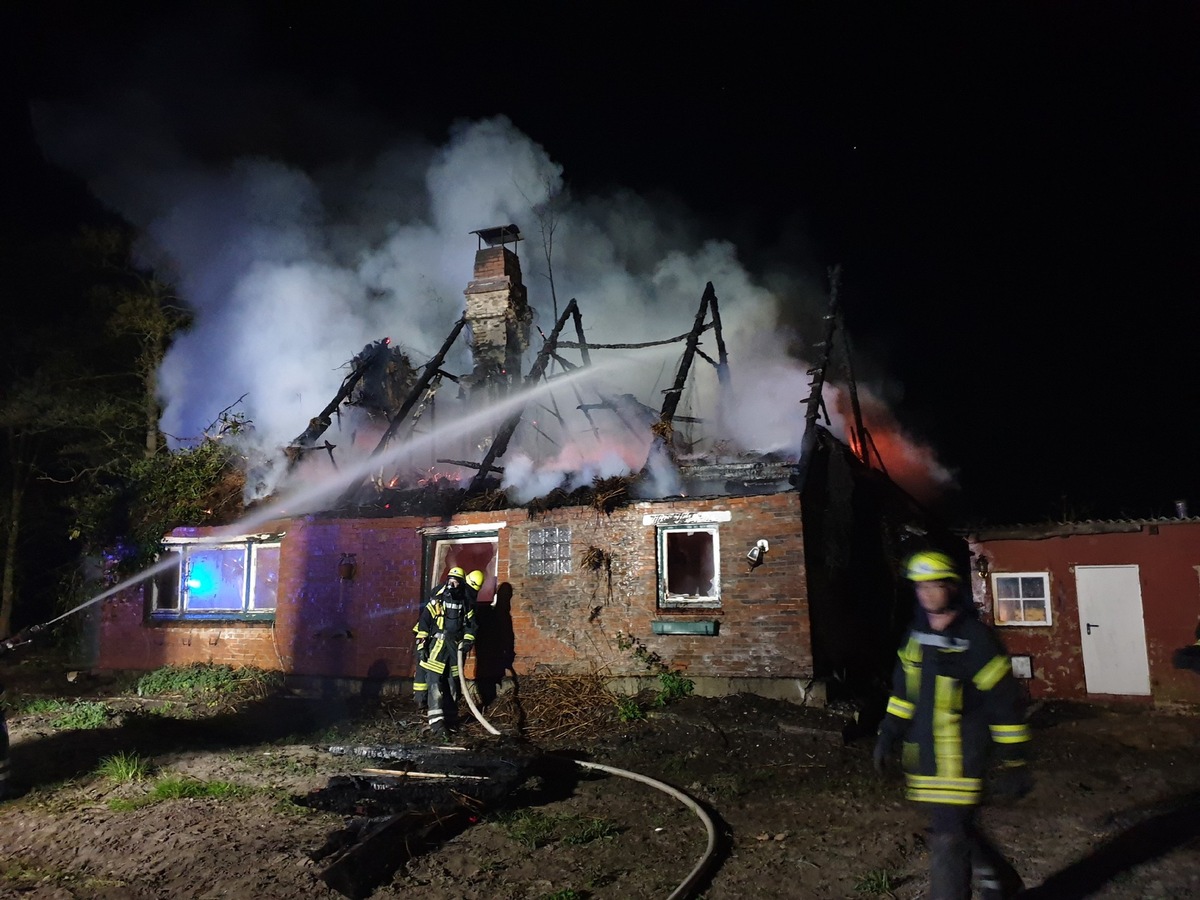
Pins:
x: 292, y: 271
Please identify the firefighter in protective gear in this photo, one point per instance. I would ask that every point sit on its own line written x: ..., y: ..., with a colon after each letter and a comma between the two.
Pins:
x: 446, y: 625
x: 420, y: 682
x: 954, y: 706
x: 475, y: 581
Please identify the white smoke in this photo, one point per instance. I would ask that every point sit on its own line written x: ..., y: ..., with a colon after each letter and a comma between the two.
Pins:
x: 291, y: 272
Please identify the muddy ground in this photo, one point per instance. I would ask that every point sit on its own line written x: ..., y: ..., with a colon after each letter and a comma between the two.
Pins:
x: 798, y: 811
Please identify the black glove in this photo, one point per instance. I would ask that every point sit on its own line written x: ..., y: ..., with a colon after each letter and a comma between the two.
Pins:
x: 1012, y: 782
x: 885, y: 748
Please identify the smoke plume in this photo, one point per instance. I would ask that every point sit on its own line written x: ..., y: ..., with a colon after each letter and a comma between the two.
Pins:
x: 291, y: 268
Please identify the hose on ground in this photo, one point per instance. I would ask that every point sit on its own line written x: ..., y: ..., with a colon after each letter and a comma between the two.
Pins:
x: 689, y: 883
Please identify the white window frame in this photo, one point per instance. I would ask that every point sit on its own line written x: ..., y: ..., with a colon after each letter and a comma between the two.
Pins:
x: 1022, y: 623
x: 669, y: 600
x: 249, y: 609
x: 439, y: 540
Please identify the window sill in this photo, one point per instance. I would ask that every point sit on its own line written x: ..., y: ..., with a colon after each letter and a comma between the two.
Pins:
x: 214, y: 619
x: 674, y: 626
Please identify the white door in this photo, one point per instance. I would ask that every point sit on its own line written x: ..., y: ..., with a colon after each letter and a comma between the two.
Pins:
x: 1112, y: 630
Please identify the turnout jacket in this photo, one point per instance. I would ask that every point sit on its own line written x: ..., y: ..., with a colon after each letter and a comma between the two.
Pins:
x: 955, y: 705
x: 446, y: 621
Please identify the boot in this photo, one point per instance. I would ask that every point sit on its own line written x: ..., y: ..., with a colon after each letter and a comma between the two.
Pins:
x: 949, y: 867
x: 994, y: 886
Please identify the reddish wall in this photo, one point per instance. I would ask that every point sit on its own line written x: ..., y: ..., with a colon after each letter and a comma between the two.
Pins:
x: 1168, y: 569
x: 363, y: 628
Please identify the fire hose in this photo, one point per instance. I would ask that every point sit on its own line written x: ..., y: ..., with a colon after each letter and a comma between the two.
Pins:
x: 688, y: 884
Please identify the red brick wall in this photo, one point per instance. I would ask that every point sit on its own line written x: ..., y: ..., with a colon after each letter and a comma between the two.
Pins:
x: 572, y: 621
x: 1168, y: 569
x: 363, y: 628
x: 496, y: 262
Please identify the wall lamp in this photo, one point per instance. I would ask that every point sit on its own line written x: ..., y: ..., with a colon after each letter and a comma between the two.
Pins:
x: 983, y: 565
x: 756, y: 554
x: 347, y: 567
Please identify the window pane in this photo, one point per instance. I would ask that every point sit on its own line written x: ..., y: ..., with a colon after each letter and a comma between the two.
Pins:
x: 216, y: 579
x: 266, y: 578
x: 1008, y: 587
x: 1008, y: 611
x: 166, y: 582
x: 690, y: 563
x: 1035, y: 611
x: 1033, y: 587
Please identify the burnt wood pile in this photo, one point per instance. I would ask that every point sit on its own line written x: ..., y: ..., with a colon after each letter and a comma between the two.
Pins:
x: 408, y: 800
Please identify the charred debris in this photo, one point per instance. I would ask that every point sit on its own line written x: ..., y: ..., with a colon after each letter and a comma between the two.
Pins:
x: 396, y: 395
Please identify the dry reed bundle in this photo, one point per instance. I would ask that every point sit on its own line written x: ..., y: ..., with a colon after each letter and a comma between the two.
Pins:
x: 550, y: 707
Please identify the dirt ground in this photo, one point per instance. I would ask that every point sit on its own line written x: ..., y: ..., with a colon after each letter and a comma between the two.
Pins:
x: 797, y: 809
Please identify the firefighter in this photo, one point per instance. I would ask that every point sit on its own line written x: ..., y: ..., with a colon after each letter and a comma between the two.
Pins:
x: 447, y: 624
x: 954, y: 706
x: 475, y: 582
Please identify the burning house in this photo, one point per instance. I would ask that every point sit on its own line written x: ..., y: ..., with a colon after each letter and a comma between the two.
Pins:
x: 617, y: 535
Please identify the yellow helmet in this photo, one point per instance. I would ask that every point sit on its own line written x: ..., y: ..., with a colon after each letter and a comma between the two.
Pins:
x: 456, y: 572
x: 475, y: 579
x: 931, y: 566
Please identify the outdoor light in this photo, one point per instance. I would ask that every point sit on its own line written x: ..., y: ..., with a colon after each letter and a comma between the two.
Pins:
x: 982, y: 566
x: 756, y: 554
x: 347, y: 566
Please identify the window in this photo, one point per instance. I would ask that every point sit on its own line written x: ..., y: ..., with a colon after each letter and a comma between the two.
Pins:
x: 469, y: 551
x: 550, y: 551
x: 1022, y: 598
x: 217, y: 581
x: 688, y: 569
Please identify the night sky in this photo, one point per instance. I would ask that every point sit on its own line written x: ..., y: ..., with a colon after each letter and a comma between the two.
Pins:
x: 1011, y: 191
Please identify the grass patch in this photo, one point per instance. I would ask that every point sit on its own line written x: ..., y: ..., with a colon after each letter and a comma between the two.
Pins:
x: 123, y: 767
x: 83, y: 715
x: 37, y: 706
x: 565, y: 894
x: 79, y: 715
x: 209, y: 681
x: 534, y: 828
x: 175, y: 787
x: 876, y: 883
x: 25, y: 876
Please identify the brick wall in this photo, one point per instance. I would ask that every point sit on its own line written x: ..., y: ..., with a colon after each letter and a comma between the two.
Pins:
x: 363, y: 628
x: 495, y: 262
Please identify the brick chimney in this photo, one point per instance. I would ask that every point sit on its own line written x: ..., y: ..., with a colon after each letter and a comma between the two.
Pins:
x: 498, y: 312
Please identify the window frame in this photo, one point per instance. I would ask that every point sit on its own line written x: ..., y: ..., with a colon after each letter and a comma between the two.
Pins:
x: 250, y: 545
x: 1023, y: 623
x: 667, y: 600
x: 432, y: 571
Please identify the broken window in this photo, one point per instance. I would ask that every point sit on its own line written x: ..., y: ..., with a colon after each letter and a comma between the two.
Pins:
x: 218, y: 580
x: 688, y: 569
x: 550, y: 551
x: 1022, y: 598
x: 466, y: 551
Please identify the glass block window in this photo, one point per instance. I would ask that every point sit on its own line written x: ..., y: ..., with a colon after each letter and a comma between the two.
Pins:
x: 550, y: 551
